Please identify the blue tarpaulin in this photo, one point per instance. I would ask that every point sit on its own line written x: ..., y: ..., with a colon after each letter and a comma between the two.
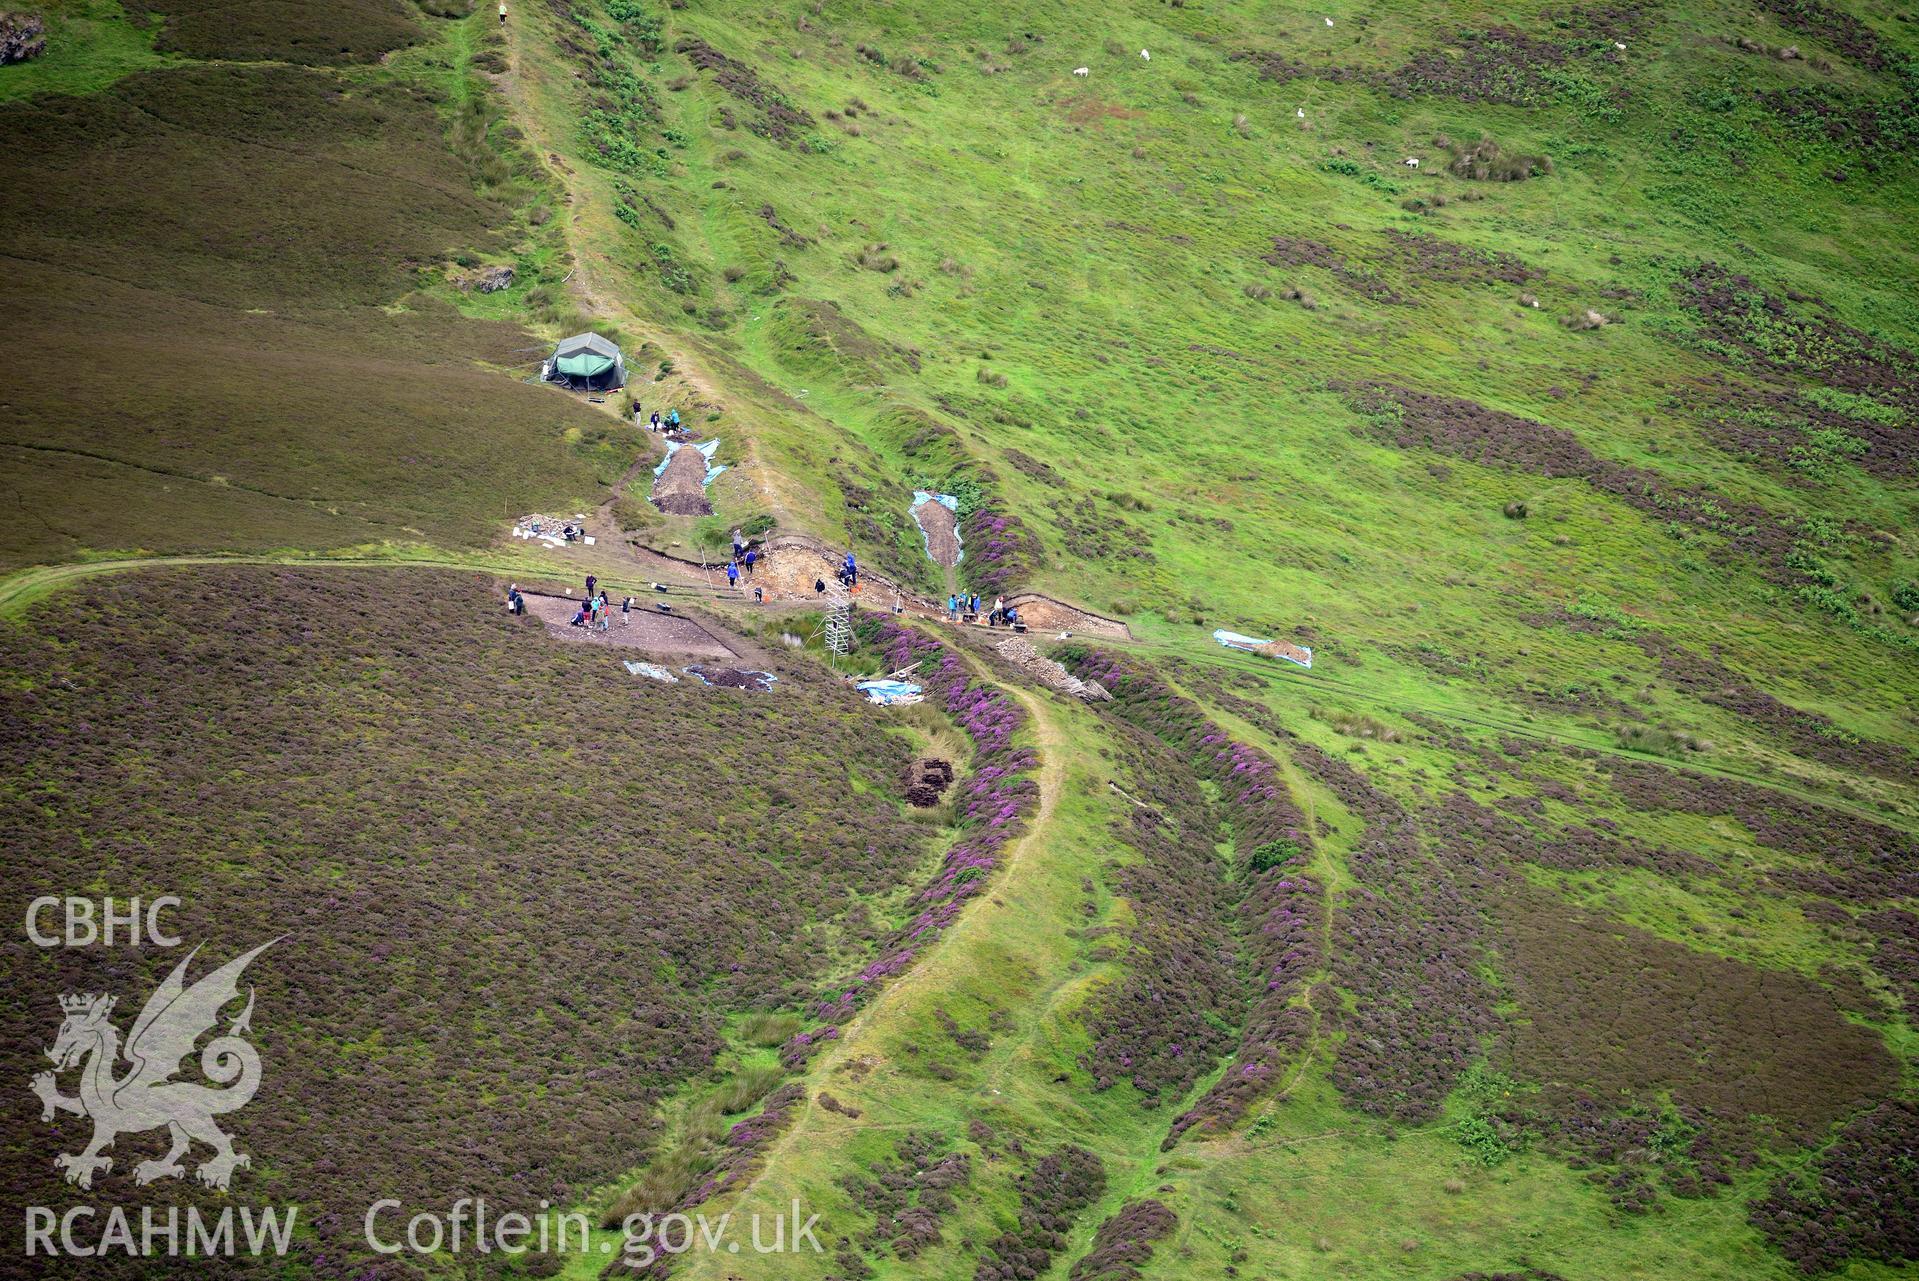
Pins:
x: 888, y: 692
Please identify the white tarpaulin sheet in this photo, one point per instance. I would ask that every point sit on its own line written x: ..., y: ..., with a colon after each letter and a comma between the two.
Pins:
x: 1296, y: 654
x: 708, y: 449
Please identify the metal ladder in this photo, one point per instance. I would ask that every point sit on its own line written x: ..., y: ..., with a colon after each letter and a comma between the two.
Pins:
x: 839, y: 627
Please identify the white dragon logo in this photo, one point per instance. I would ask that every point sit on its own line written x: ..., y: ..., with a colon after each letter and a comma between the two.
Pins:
x: 147, y: 1097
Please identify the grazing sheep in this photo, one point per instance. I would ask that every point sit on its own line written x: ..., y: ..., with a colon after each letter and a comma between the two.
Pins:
x: 1412, y: 162
x: 1301, y: 113
x: 1617, y: 45
x: 1146, y: 55
x: 1082, y: 71
x: 1329, y: 22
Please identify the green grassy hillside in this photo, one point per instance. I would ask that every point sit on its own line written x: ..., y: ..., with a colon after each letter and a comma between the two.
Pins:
x: 1079, y: 286
x: 1560, y: 922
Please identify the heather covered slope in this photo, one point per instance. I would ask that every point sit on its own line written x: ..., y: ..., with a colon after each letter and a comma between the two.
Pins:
x: 448, y: 821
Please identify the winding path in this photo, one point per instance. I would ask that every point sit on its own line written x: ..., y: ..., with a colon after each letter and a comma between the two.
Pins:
x: 943, y: 966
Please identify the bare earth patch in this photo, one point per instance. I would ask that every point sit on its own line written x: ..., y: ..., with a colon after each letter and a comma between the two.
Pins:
x: 942, y: 532
x: 680, y: 490
x: 650, y: 630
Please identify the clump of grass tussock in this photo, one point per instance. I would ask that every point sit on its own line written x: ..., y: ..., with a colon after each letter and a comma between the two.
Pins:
x: 1484, y: 161
x: 1357, y: 725
x: 697, y: 1137
x: 875, y: 258
x: 665, y: 1180
x: 1660, y: 740
x: 944, y: 814
x: 742, y: 1090
x: 473, y: 137
x: 769, y: 1027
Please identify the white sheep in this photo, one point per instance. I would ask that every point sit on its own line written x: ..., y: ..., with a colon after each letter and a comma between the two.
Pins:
x: 1412, y: 162
x: 1619, y: 46
x: 1301, y: 113
x: 1329, y: 22
x: 1146, y: 55
x: 1082, y: 71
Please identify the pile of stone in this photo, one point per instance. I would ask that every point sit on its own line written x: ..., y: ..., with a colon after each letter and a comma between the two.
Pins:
x: 1021, y: 654
x: 486, y: 280
x: 23, y: 36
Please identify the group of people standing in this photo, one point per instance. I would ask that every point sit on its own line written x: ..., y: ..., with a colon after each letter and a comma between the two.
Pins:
x: 847, y: 575
x: 745, y: 558
x: 970, y: 606
x: 656, y: 423
x: 595, y: 612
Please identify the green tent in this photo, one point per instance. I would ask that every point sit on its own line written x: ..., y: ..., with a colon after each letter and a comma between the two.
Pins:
x: 584, y: 365
x: 587, y: 362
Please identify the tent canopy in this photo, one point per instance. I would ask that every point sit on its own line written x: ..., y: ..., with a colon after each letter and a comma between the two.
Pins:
x: 591, y: 359
x: 584, y: 365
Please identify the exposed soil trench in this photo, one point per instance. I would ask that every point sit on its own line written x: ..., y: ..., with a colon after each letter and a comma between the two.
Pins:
x: 680, y: 490
x: 942, y: 532
x: 646, y: 629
